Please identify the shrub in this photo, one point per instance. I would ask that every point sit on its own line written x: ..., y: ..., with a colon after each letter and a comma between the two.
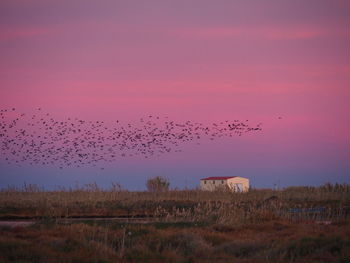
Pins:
x: 158, y: 184
x: 186, y: 243
x: 240, y: 249
x: 315, y: 245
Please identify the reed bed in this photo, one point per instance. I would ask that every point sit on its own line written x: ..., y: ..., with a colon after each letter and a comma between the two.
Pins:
x: 295, y: 224
x: 327, y: 202
x: 273, y: 241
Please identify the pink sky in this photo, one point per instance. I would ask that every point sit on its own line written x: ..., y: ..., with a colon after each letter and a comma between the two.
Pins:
x: 199, y: 60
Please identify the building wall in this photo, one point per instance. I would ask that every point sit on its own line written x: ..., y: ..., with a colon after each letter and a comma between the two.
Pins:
x: 236, y: 184
x: 211, y: 185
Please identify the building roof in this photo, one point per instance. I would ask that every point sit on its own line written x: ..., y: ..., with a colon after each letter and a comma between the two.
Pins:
x: 218, y: 178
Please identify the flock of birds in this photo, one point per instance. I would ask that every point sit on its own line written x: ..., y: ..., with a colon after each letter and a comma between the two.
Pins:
x: 40, y: 139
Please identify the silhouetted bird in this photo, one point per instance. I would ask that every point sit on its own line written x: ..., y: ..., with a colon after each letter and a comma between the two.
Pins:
x: 40, y: 139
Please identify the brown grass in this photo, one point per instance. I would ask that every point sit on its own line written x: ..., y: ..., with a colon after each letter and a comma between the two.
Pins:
x: 274, y: 241
x: 330, y: 202
x: 297, y: 224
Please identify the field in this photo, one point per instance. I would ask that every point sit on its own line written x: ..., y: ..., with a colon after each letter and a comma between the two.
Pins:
x: 89, y: 224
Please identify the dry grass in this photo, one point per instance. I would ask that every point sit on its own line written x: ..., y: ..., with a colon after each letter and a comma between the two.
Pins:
x: 328, y: 202
x: 297, y: 224
x: 273, y: 241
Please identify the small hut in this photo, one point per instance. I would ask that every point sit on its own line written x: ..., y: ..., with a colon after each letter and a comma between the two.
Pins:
x: 234, y: 183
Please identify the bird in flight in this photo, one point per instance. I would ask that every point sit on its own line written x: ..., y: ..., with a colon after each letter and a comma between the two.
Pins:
x: 40, y: 139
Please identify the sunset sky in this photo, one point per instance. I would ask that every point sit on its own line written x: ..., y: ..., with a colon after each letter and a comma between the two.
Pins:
x: 199, y: 60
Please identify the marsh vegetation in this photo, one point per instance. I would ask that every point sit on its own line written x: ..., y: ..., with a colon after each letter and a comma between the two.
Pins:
x: 296, y: 224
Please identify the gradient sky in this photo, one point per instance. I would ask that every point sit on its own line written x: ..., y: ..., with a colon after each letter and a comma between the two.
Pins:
x: 199, y: 60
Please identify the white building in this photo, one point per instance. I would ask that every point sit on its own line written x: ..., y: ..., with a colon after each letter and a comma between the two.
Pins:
x: 235, y: 183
